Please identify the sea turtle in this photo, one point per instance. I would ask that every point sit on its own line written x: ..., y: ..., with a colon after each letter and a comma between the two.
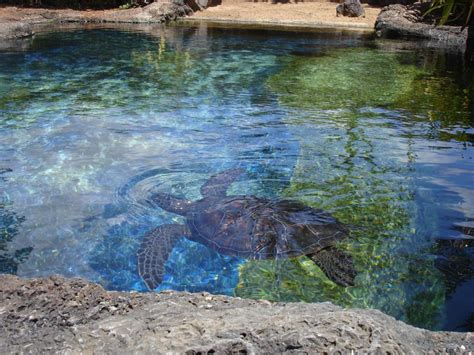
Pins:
x: 246, y: 226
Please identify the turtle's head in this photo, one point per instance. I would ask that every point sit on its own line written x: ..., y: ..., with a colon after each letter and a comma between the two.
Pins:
x: 170, y: 203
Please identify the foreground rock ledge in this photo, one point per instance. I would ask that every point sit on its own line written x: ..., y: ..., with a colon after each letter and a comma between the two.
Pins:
x: 73, y: 315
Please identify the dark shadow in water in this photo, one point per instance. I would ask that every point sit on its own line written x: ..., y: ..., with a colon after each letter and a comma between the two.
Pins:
x: 446, y: 229
x: 9, y: 225
x: 456, y: 261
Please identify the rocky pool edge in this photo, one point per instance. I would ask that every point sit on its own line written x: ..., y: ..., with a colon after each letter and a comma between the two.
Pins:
x: 57, y: 314
x: 394, y: 21
x: 19, y: 23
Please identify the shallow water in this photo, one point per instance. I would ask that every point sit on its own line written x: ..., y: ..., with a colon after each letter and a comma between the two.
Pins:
x: 94, y: 121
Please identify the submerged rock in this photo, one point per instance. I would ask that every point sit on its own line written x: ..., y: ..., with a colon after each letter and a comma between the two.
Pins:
x: 54, y: 314
x: 328, y: 82
x: 351, y: 8
x: 399, y: 21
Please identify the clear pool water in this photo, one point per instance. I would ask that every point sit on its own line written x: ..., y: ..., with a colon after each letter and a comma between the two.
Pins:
x: 93, y: 121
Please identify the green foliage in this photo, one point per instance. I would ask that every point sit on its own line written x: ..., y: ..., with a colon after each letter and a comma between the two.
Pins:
x: 130, y: 4
x: 126, y: 6
x: 452, y: 10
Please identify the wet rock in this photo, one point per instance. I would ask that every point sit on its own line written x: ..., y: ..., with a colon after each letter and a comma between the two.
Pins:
x: 350, y: 8
x: 15, y: 30
x: 63, y: 315
x: 399, y: 21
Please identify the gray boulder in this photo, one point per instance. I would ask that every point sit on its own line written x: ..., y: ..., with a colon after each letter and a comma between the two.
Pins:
x: 199, y: 5
x: 351, y: 8
x: 208, y: 3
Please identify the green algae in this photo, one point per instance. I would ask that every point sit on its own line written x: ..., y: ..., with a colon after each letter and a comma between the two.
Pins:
x: 360, y: 77
x: 438, y: 99
x: 368, y: 183
x: 389, y: 277
x: 341, y: 79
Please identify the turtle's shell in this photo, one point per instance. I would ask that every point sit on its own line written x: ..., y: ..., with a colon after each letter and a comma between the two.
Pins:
x: 258, y: 228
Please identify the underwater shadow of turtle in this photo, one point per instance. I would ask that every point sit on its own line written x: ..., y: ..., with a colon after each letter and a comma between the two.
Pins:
x: 246, y: 226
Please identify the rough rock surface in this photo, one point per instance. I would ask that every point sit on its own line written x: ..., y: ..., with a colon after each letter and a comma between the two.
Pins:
x: 17, y: 23
x: 399, y: 21
x: 388, y: 2
x: 15, y: 30
x: 351, y: 8
x: 57, y: 314
x: 157, y: 12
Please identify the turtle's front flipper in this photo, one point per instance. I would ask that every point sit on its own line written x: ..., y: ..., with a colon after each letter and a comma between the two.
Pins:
x: 218, y: 184
x: 155, y: 249
x: 337, y: 265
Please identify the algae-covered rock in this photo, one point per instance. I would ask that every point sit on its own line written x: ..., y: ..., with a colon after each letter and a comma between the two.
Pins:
x: 343, y: 104
x: 349, y: 78
x: 438, y: 99
x: 383, y: 245
x: 363, y: 78
x: 395, y: 271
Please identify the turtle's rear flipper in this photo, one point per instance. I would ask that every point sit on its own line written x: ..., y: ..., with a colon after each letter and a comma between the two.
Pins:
x: 154, y: 251
x: 337, y: 265
x: 218, y: 184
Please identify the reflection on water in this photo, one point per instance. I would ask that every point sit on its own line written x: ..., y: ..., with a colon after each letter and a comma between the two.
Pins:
x: 93, y: 122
